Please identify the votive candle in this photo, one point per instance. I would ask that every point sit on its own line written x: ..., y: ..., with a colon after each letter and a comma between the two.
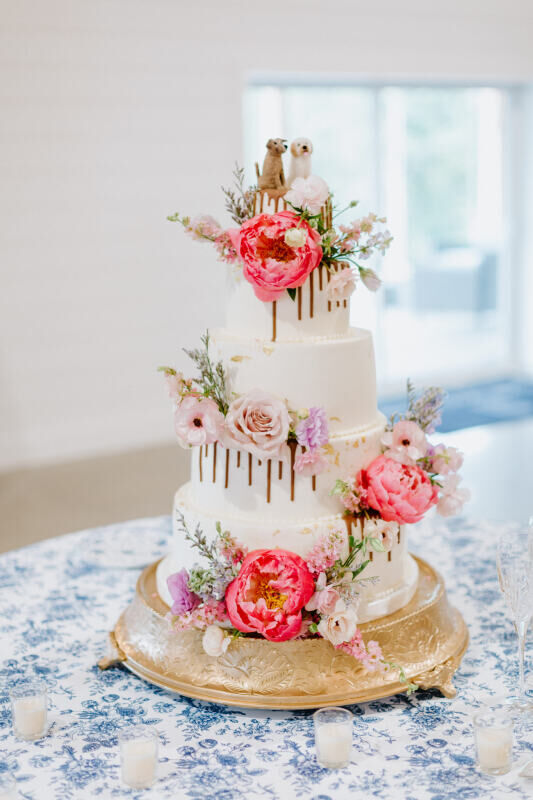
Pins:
x: 138, y: 753
x: 333, y: 737
x: 493, y: 730
x: 29, y: 708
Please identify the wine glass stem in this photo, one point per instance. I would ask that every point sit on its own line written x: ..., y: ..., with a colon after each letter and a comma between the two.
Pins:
x: 521, y: 630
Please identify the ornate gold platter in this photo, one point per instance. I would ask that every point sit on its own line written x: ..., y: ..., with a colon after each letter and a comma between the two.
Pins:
x: 427, y: 637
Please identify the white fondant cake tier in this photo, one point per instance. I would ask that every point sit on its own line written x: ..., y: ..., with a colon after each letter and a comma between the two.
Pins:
x: 336, y: 374
x: 309, y: 315
x: 396, y: 572
x: 227, y: 481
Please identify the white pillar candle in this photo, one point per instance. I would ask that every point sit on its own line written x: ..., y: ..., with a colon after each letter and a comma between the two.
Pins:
x: 29, y: 716
x: 139, y: 762
x: 334, y: 744
x: 493, y: 730
x: 494, y: 748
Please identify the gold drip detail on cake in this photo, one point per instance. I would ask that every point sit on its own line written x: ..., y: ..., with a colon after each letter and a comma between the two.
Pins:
x: 428, y: 637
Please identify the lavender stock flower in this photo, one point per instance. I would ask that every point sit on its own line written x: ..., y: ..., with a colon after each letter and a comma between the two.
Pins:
x: 312, y: 432
x: 426, y: 409
x: 183, y: 599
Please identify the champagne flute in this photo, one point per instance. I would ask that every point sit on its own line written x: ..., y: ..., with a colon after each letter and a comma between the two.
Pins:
x: 515, y: 573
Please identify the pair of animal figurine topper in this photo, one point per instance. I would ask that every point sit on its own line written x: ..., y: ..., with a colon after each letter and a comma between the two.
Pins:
x: 272, y: 179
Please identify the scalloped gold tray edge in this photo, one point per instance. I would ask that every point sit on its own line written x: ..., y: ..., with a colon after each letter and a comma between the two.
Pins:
x: 428, y: 637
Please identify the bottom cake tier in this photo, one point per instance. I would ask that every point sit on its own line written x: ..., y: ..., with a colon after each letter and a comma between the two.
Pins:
x: 390, y: 577
x: 427, y: 638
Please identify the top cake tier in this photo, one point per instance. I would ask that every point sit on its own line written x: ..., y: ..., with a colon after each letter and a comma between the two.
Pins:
x: 310, y: 315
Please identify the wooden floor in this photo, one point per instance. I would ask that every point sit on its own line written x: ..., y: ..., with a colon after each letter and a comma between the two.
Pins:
x: 39, y: 503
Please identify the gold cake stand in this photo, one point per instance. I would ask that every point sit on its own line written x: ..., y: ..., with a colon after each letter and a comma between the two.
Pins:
x: 427, y: 637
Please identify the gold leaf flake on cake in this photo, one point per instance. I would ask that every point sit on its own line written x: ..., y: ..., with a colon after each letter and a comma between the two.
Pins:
x: 329, y: 449
x: 276, y: 533
x: 306, y: 530
x: 363, y: 439
x: 268, y: 349
x: 356, y: 443
x: 240, y: 358
x: 334, y: 419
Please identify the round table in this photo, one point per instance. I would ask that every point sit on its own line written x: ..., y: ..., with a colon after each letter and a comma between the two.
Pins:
x: 61, y: 597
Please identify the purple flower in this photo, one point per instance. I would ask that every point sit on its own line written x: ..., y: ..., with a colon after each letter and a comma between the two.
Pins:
x: 313, y: 432
x: 184, y: 599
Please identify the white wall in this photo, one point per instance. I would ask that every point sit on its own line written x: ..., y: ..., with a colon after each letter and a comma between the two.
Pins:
x: 117, y: 112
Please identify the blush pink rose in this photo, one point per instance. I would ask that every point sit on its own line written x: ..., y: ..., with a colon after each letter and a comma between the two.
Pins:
x: 399, y: 492
x: 269, y: 263
x: 197, y: 421
x: 259, y: 423
x: 268, y: 594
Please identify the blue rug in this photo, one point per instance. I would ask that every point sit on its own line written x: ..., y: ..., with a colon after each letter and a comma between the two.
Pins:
x: 478, y: 404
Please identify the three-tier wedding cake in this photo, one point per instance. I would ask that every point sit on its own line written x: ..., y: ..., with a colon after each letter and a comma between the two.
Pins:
x: 294, y: 523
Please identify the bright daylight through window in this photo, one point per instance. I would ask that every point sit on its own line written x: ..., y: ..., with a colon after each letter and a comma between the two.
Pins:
x: 432, y: 160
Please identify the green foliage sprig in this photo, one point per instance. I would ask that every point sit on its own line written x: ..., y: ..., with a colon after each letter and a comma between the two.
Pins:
x: 239, y: 201
x: 212, y: 380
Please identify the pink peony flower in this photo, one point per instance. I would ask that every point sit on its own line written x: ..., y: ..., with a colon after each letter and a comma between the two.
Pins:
x: 406, y: 442
x: 268, y: 594
x: 452, y: 498
x: 183, y: 600
x: 326, y: 599
x: 259, y: 423
x: 309, y: 194
x: 197, y: 421
x: 313, y: 431
x: 399, y: 492
x: 269, y: 263
x: 309, y: 463
x: 446, y: 459
x: 341, y: 284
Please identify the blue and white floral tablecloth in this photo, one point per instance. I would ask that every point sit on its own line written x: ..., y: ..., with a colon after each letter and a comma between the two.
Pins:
x: 59, y: 599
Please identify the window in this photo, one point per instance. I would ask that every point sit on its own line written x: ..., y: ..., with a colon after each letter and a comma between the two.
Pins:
x: 432, y: 160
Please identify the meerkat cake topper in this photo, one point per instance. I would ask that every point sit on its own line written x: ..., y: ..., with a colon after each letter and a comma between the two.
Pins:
x: 272, y: 179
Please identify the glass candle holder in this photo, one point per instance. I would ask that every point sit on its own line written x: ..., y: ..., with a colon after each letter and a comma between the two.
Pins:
x: 138, y: 756
x: 333, y: 737
x: 29, y: 709
x: 493, y: 731
x: 8, y: 787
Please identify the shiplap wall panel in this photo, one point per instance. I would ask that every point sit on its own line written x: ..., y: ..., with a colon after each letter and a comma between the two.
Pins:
x: 116, y: 112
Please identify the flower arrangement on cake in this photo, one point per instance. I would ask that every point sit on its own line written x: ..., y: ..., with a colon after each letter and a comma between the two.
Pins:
x: 257, y: 422
x: 411, y: 475
x: 277, y: 252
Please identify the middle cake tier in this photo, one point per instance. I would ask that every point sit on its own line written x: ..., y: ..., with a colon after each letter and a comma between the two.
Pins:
x: 229, y: 481
x: 337, y: 374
